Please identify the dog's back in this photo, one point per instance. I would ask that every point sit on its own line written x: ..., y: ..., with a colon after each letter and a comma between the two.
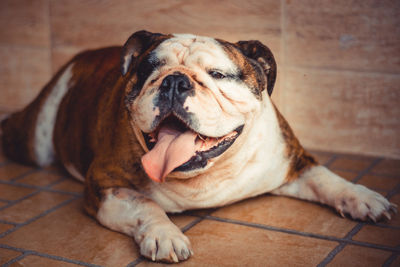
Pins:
x: 27, y: 135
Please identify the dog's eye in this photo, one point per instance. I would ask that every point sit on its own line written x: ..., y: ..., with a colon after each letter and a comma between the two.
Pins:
x: 216, y: 75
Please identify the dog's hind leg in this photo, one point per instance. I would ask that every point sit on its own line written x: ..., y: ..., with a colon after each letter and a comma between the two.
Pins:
x: 321, y: 185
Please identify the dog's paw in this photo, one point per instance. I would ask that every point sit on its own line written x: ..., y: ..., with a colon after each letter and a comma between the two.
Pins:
x: 363, y: 204
x: 165, y: 243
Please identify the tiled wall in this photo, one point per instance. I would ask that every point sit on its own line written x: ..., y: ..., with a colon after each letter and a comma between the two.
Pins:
x: 339, y: 61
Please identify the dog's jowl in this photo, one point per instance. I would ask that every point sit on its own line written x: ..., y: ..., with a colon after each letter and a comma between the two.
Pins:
x: 168, y: 123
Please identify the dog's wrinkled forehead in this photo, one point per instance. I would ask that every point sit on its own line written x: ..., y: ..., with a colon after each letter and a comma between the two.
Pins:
x: 193, y: 51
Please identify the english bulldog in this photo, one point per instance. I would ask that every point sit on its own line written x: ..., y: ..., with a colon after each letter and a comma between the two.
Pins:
x: 169, y: 123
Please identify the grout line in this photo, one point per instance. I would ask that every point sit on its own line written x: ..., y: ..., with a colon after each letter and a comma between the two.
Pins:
x: 331, y: 160
x: 12, y: 203
x: 44, y: 255
x: 393, y: 192
x: 305, y: 234
x: 66, y: 202
x: 357, y: 228
x: 10, y: 223
x: 25, y: 174
x: 18, y: 258
x: 283, y: 55
x: 191, y: 224
x: 332, y: 254
x: 366, y: 170
x: 5, y: 163
x: 136, y: 262
x: 390, y: 260
x: 42, y: 188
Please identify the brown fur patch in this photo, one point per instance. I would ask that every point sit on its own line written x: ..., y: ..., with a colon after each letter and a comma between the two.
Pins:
x: 300, y: 160
x: 92, y: 132
x: 19, y: 129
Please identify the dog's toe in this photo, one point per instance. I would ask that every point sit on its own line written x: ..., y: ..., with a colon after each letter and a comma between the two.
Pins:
x: 363, y: 204
x: 166, y: 243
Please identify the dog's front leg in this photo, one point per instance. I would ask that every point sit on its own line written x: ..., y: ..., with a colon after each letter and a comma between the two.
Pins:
x: 321, y: 185
x: 129, y: 212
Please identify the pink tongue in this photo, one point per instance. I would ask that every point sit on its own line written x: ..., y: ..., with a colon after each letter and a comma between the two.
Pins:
x: 172, y: 149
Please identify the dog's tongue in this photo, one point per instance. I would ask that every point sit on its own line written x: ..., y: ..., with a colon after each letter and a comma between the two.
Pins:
x: 173, y: 148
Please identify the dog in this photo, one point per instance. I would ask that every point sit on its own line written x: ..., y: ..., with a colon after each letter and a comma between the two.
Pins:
x: 173, y: 122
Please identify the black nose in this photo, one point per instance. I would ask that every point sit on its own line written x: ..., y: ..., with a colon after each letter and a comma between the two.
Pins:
x: 176, y: 84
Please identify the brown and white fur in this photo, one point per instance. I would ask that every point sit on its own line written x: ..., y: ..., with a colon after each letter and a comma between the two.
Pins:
x: 91, y: 118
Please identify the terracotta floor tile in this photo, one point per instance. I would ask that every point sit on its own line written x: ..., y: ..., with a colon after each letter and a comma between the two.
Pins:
x: 348, y: 175
x: 40, y: 178
x: 395, y: 221
x: 396, y: 261
x: 351, y: 163
x: 69, y: 185
x: 181, y: 220
x: 37, y: 261
x: 388, y: 167
x: 11, y: 192
x: 7, y: 255
x: 5, y: 227
x: 288, y: 213
x: 13, y: 170
x: 32, y: 206
x: 378, y: 235
x: 223, y: 244
x: 378, y: 182
x: 356, y: 256
x: 2, y: 158
x: 68, y: 232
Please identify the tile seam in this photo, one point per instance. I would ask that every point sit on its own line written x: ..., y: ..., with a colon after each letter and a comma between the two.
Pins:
x: 390, y: 260
x: 66, y: 202
x: 332, y: 254
x: 24, y: 174
x: 12, y: 203
x: 40, y: 188
x: 304, y: 234
x: 14, y: 260
x: 48, y: 256
x: 362, y: 173
x: 332, y: 159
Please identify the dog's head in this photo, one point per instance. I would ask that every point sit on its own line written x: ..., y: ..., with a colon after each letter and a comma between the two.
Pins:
x: 190, y: 97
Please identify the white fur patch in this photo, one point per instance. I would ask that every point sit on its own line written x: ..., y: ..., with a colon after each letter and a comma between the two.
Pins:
x: 43, y: 140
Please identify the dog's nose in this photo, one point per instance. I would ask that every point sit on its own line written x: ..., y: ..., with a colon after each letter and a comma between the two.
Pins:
x: 176, y: 84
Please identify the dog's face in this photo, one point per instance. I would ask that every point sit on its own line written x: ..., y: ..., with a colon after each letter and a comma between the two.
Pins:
x: 190, y: 97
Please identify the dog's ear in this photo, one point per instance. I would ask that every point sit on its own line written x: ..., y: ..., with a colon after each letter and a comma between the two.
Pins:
x: 137, y: 43
x: 263, y: 55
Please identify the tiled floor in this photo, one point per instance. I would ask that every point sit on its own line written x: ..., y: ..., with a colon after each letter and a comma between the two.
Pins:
x: 42, y: 223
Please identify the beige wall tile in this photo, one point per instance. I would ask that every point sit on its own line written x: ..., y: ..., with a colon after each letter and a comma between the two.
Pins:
x: 25, y: 23
x: 92, y: 24
x: 23, y: 73
x: 344, y: 34
x: 347, y: 112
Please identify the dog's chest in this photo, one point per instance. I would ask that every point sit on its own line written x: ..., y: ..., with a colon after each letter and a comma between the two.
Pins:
x: 257, y: 178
